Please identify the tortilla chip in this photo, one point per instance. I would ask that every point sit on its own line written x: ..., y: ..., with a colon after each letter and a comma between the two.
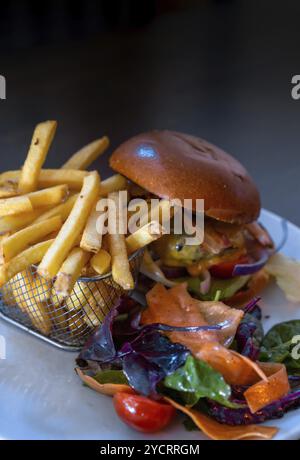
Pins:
x: 176, y: 307
x: 219, y: 431
x: 267, y: 391
x: 235, y: 368
x: 108, y: 389
x: 212, y: 313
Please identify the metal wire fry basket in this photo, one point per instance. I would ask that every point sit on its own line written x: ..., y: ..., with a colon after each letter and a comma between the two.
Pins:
x: 31, y: 303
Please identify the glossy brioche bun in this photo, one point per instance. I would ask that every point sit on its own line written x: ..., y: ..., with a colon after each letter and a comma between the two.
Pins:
x: 172, y: 165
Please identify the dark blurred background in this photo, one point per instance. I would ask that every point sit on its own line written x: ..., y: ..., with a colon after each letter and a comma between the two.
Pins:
x: 218, y: 69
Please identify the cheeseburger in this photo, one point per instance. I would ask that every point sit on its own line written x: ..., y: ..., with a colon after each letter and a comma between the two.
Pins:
x: 228, y: 264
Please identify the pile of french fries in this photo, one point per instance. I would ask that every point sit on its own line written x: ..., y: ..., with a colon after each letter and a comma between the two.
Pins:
x: 48, y: 219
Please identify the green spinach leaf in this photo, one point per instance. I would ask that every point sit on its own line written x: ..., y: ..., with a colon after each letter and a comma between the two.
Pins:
x: 223, y: 289
x: 277, y: 345
x: 111, y: 376
x: 196, y: 379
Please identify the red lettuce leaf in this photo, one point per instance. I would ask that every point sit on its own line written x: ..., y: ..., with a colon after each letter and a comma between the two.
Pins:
x: 243, y: 416
x: 145, y: 355
x: 249, y: 333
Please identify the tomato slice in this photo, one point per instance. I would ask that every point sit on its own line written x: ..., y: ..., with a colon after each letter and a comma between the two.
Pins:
x: 224, y: 270
x: 141, y: 413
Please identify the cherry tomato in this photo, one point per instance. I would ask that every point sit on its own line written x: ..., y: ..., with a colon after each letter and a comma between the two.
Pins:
x: 224, y: 269
x: 142, y: 413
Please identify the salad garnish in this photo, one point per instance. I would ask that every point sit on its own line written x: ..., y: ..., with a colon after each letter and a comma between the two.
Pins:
x: 208, y: 360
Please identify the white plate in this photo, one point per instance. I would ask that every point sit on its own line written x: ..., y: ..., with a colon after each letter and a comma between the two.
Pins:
x: 41, y: 398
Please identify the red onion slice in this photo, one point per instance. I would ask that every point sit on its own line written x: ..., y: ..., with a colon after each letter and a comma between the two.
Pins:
x: 251, y: 268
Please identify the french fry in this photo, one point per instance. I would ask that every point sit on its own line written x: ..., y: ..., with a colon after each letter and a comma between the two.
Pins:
x: 37, y: 287
x: 120, y: 264
x: 48, y: 196
x: 75, y: 315
x: 93, y: 298
x: 72, y: 227
x: 41, y: 141
x: 50, y: 177
x: 62, y: 210
x: 87, y: 272
x: 10, y: 224
x: 70, y: 271
x: 59, y: 316
x: 3, y: 236
x: 105, y: 242
x: 90, y: 318
x: 144, y: 236
x: 6, y: 293
x: 97, y: 306
x: 77, y: 325
x: 11, y: 246
x: 56, y: 300
x: 92, y: 234
x: 41, y: 289
x: 113, y: 184
x: 85, y: 156
x: 15, y: 205
x: 78, y: 298
x: 30, y: 256
x: 8, y: 190
x: 26, y: 203
x: 11, y: 177
x: 101, y: 262
x: 71, y: 177
x: 37, y: 311
x: 51, y: 236
x: 162, y: 212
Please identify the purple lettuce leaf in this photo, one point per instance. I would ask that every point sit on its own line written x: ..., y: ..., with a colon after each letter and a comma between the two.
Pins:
x: 100, y: 346
x: 243, y: 416
x: 142, y: 375
x: 145, y: 355
x: 237, y: 392
x: 253, y: 308
x: 249, y: 333
x: 158, y: 349
x: 122, y: 323
x: 294, y: 381
x: 149, y: 359
x: 246, y: 345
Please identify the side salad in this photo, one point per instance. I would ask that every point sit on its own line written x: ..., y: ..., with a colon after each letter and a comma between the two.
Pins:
x: 211, y: 362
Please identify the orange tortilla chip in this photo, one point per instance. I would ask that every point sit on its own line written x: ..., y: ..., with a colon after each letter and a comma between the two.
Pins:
x: 219, y: 431
x: 177, y: 308
x: 164, y: 308
x: 267, y: 391
x: 211, y: 312
x: 108, y: 389
x: 218, y: 312
x: 235, y: 368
